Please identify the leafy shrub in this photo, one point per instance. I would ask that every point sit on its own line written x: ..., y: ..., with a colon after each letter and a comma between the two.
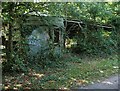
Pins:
x: 96, y: 42
x: 45, y: 57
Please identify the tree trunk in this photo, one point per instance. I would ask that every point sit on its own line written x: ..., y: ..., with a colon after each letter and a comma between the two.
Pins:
x: 9, y: 42
x: 9, y: 49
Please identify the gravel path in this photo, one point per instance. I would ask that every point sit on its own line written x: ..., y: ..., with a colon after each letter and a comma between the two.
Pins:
x: 109, y: 83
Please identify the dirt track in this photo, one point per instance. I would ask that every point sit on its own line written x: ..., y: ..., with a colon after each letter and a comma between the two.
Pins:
x: 109, y: 83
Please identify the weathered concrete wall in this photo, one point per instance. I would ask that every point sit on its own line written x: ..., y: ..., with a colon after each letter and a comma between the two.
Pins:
x: 38, y: 40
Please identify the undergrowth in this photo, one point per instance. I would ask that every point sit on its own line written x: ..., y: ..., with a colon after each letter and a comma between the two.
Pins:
x: 76, y: 72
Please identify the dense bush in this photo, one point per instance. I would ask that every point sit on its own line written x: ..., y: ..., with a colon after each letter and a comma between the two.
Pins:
x: 44, y: 57
x: 23, y: 60
x: 96, y: 42
x: 90, y: 41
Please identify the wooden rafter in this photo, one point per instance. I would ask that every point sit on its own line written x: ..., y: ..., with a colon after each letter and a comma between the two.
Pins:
x: 77, y: 22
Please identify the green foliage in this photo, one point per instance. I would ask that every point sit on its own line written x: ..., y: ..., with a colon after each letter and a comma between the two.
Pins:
x: 89, y: 41
x: 46, y: 57
x: 19, y: 64
x: 72, y: 75
x: 19, y: 58
x: 97, y: 42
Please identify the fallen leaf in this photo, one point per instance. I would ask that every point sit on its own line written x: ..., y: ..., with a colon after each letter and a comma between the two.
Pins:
x: 51, y: 81
x: 18, y: 85
x: 101, y: 71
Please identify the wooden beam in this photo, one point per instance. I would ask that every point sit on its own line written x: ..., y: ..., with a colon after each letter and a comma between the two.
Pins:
x: 103, y: 26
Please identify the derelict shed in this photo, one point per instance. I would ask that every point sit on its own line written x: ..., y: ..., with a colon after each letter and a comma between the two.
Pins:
x: 77, y: 26
x: 42, y: 30
x: 78, y: 32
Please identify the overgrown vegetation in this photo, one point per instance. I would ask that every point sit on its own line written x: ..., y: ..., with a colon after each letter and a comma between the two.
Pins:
x: 78, y: 71
x: 96, y: 37
x: 99, y: 42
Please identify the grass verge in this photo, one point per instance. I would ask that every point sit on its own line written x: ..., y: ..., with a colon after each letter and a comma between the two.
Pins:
x: 75, y: 72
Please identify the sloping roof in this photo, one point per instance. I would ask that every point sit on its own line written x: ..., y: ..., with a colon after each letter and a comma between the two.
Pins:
x: 44, y: 21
